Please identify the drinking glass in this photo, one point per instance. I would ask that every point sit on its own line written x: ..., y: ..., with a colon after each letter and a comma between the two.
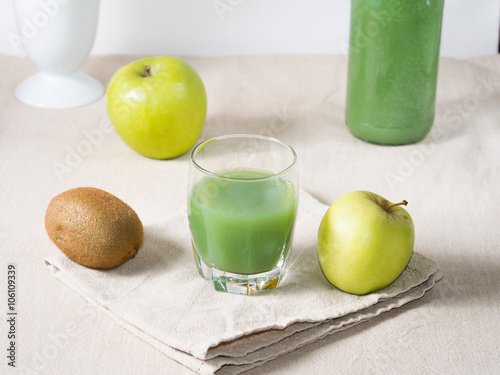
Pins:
x: 58, y: 36
x: 242, y: 203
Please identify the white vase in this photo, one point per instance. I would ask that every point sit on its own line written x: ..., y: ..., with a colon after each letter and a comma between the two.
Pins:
x: 58, y: 35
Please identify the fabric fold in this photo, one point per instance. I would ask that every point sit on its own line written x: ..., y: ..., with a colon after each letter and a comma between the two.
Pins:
x: 159, y: 297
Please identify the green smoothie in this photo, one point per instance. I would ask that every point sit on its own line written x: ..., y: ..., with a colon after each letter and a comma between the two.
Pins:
x: 392, y: 73
x: 244, y: 224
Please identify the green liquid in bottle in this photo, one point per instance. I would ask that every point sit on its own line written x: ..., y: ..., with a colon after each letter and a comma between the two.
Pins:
x: 393, y: 64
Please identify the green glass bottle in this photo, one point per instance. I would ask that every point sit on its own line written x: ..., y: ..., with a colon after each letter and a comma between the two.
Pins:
x: 392, y: 72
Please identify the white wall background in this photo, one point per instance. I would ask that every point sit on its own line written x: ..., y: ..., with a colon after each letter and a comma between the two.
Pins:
x: 215, y: 27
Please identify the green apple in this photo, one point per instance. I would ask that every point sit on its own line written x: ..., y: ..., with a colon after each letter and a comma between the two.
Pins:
x: 364, y: 242
x: 157, y: 106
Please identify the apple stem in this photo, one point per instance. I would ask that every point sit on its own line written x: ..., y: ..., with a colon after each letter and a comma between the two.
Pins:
x: 147, y: 69
x: 404, y: 203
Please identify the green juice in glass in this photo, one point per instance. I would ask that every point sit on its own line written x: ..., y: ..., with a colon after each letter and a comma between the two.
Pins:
x: 392, y: 72
x: 243, y: 224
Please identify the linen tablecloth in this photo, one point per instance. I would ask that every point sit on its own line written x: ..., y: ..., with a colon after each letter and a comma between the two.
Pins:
x: 451, y: 180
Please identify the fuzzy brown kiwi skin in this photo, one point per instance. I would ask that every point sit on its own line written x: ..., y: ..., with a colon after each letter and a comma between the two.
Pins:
x: 94, y: 228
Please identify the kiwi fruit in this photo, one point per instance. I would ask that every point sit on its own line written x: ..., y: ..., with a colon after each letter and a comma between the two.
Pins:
x: 94, y: 228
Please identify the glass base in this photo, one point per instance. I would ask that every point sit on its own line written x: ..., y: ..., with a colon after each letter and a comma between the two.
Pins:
x: 240, y: 284
x: 53, y: 91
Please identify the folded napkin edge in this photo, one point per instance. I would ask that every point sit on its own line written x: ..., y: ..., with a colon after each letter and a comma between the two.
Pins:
x: 51, y: 263
x: 432, y: 267
x: 413, y: 294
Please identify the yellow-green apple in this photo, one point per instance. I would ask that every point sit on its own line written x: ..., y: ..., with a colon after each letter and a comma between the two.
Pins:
x: 364, y: 242
x: 157, y: 106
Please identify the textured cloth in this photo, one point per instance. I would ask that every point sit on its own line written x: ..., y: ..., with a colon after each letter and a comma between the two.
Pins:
x: 160, y: 297
x: 451, y: 180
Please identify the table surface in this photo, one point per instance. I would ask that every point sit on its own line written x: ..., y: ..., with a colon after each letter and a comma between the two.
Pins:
x: 451, y: 180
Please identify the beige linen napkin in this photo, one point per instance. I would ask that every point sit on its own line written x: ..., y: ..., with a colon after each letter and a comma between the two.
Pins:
x: 160, y: 297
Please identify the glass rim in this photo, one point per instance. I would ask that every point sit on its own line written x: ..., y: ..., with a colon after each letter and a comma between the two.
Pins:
x: 202, y: 144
